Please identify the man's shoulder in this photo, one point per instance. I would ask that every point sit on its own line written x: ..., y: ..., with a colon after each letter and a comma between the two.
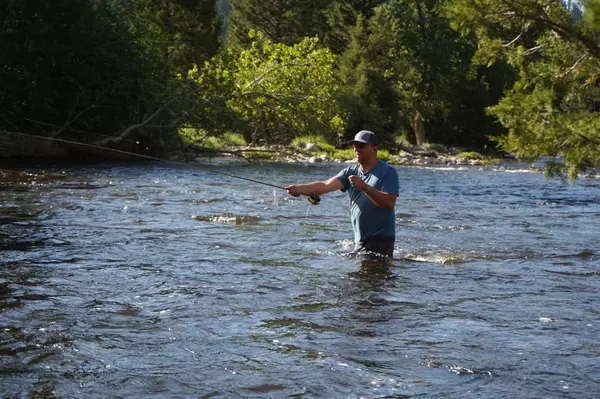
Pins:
x: 384, y: 166
x: 353, y: 169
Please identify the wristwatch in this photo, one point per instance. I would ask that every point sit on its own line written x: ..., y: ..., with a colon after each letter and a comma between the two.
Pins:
x: 366, y: 190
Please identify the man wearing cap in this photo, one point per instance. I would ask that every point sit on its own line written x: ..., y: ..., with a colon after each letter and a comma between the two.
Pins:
x: 372, y: 188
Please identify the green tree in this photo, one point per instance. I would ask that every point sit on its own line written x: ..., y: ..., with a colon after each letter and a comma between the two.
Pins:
x: 408, y: 60
x: 68, y: 63
x: 281, y: 21
x: 183, y: 32
x: 341, y: 19
x: 368, y: 71
x: 279, y: 91
x: 91, y: 70
x: 552, y: 108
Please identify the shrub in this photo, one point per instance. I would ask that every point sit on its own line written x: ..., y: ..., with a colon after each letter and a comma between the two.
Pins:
x: 469, y: 155
x: 319, y: 140
x: 436, y: 147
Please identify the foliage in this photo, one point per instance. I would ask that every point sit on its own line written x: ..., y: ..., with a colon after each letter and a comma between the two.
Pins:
x: 235, y: 139
x: 343, y: 154
x: 592, y: 13
x: 402, y: 140
x: 88, y: 69
x: 202, y: 137
x: 259, y: 156
x: 280, y: 21
x: 408, y: 59
x: 182, y: 32
x: 280, y: 91
x: 319, y: 140
x: 342, y: 17
x: 384, y: 155
x: 437, y: 79
x: 290, y: 21
x: 469, y: 155
x: 92, y: 69
x: 367, y: 95
x: 437, y: 147
x: 325, y: 147
x: 50, y: 80
x: 552, y: 109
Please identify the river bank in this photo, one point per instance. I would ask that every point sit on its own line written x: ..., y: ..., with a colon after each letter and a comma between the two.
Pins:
x: 302, y: 152
x: 310, y: 153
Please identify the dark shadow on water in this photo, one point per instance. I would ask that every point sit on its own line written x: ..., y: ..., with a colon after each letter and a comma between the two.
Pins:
x: 372, y: 267
x: 367, y: 300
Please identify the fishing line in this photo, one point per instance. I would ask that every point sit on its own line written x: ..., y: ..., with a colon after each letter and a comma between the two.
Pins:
x: 313, y: 199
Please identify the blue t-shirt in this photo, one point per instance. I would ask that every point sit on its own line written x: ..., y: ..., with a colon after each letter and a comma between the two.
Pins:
x: 368, y: 220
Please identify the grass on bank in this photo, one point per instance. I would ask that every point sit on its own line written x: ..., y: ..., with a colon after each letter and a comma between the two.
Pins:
x: 202, y: 138
x: 325, y: 149
x: 470, y: 155
x: 329, y: 150
x: 230, y: 139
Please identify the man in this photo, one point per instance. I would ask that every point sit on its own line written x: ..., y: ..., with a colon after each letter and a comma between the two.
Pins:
x: 372, y: 187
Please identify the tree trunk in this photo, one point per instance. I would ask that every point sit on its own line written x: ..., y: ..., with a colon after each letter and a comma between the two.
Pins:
x: 419, y: 128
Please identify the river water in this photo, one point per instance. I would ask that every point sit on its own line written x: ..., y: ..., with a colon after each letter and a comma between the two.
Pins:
x: 155, y: 281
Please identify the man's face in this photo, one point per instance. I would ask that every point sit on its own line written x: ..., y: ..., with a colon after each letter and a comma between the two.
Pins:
x: 364, y: 152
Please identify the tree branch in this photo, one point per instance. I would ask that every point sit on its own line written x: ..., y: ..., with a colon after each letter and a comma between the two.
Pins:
x: 533, y: 50
x: 71, y: 120
x: 273, y: 69
x: 133, y: 127
x: 589, y: 140
x: 568, y: 71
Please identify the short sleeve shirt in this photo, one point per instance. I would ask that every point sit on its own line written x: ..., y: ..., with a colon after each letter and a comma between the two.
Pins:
x: 368, y: 220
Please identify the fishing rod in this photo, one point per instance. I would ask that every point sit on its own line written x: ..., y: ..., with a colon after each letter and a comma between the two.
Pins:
x: 313, y: 198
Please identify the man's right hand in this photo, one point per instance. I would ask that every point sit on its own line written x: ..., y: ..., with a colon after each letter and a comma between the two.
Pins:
x: 293, y: 191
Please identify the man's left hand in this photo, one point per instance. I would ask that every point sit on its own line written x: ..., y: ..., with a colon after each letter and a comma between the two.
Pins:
x: 357, y: 183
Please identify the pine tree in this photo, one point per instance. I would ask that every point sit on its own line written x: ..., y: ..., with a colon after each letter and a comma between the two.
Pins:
x: 185, y: 32
x: 342, y: 18
x: 552, y: 109
x: 281, y: 21
x: 367, y: 95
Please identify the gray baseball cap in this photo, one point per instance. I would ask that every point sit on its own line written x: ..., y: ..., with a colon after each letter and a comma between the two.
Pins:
x: 365, y: 137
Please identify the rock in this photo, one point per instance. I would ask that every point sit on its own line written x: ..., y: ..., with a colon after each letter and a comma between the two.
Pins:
x: 311, y: 147
x: 315, y: 159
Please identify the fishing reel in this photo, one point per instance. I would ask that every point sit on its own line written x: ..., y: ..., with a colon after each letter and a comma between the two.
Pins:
x: 314, y: 199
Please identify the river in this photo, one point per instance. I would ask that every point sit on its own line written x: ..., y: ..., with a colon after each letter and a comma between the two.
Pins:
x: 149, y: 280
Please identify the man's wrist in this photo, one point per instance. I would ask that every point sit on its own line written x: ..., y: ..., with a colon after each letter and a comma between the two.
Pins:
x: 367, y: 189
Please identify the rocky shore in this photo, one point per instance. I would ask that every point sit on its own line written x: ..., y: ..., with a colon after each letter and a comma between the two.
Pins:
x: 402, y: 158
x: 311, y: 153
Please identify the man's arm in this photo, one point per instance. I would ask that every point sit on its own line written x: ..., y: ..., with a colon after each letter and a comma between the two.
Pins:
x: 381, y: 199
x: 315, y: 188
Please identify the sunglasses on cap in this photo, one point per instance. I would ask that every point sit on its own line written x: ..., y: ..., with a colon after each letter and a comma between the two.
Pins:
x: 359, y: 145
